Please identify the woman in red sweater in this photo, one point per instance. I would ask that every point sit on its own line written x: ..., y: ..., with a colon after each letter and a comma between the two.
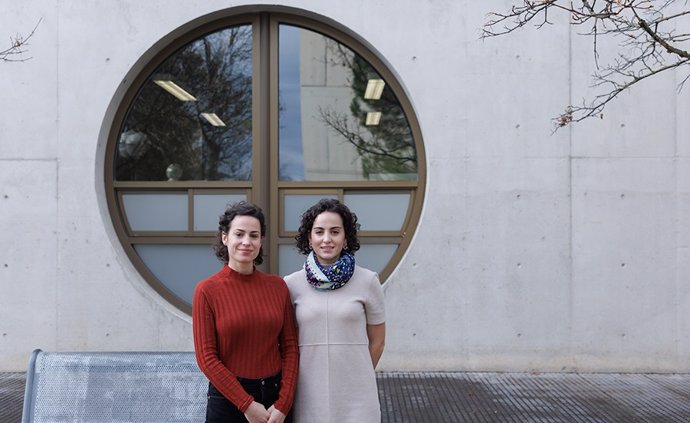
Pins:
x: 245, y: 338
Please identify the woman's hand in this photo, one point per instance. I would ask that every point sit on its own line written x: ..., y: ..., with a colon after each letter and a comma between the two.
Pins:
x: 275, y: 415
x: 256, y: 413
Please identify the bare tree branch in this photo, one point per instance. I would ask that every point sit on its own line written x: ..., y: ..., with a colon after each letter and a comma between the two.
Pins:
x: 651, y: 35
x: 17, y: 47
x: 339, y: 123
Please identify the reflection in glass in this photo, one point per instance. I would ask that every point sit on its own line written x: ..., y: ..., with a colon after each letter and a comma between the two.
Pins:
x: 291, y: 166
x: 323, y: 107
x: 192, y: 118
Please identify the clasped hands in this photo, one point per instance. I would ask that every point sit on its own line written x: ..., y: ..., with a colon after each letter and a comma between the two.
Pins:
x: 256, y: 413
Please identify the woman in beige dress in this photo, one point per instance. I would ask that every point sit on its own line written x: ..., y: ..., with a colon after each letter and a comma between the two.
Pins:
x: 340, y: 316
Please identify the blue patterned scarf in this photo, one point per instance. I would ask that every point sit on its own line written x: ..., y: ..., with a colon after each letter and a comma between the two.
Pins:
x: 325, y: 278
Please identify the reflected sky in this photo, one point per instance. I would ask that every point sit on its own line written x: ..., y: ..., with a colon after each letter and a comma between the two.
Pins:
x: 290, y: 123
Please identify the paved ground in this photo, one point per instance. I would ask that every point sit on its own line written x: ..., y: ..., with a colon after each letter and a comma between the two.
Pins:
x: 543, y: 398
x: 11, y: 397
x: 497, y: 397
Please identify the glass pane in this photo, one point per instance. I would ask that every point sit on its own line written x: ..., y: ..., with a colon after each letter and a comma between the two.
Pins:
x: 289, y: 259
x: 339, y: 120
x: 179, y: 267
x: 380, y: 211
x: 156, y: 212
x: 296, y: 204
x: 192, y: 118
x: 375, y: 256
x: 209, y: 207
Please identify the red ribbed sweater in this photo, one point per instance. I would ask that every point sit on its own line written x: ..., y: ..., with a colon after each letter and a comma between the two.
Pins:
x: 244, y: 326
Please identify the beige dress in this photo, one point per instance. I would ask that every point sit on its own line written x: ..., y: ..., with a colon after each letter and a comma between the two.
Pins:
x: 336, y: 380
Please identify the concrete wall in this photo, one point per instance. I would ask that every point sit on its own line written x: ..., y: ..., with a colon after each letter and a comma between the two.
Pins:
x: 535, y: 251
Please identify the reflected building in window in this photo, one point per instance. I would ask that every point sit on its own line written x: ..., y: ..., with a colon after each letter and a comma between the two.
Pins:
x: 346, y: 132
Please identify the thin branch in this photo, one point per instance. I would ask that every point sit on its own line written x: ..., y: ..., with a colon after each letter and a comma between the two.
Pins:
x: 17, y: 47
x: 339, y: 124
x: 580, y: 113
x: 650, y: 42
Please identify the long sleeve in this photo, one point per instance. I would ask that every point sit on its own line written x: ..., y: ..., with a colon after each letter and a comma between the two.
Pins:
x: 289, y: 351
x: 206, y: 348
x: 244, y: 327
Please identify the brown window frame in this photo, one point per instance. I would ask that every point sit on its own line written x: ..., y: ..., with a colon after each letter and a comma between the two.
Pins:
x: 265, y: 189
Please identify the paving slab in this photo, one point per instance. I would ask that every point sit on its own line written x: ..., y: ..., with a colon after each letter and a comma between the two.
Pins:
x: 456, y: 397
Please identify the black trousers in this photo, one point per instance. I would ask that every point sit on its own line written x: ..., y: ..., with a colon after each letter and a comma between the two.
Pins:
x: 265, y: 391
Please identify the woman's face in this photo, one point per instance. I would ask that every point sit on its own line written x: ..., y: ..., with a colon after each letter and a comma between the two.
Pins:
x: 243, y: 240
x: 327, y: 237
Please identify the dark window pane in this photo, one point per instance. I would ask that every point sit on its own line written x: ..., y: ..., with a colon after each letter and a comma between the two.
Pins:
x: 334, y: 123
x: 192, y: 118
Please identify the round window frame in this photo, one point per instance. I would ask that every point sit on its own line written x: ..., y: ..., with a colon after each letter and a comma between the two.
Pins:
x: 262, y: 19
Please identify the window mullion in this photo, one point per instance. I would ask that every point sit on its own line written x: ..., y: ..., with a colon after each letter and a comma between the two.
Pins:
x: 261, y: 175
x: 275, y: 204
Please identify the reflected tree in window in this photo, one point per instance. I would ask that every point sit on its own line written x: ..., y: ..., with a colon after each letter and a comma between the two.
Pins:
x: 191, y: 120
x: 385, y: 144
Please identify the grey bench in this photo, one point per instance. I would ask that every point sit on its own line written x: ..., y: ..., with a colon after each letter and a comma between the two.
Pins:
x: 114, y: 387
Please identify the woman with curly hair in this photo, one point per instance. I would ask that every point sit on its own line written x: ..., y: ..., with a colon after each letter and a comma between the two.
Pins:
x: 245, y: 338
x: 340, y: 316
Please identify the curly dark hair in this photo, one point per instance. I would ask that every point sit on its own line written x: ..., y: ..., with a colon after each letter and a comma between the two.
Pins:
x: 350, y: 224
x: 241, y: 208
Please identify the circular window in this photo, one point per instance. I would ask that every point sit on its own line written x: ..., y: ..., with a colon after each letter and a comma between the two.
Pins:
x: 275, y: 109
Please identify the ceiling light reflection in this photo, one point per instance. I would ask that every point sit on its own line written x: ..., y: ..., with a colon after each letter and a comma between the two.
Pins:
x: 174, y: 89
x: 373, y: 118
x: 374, y: 89
x: 213, y: 119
